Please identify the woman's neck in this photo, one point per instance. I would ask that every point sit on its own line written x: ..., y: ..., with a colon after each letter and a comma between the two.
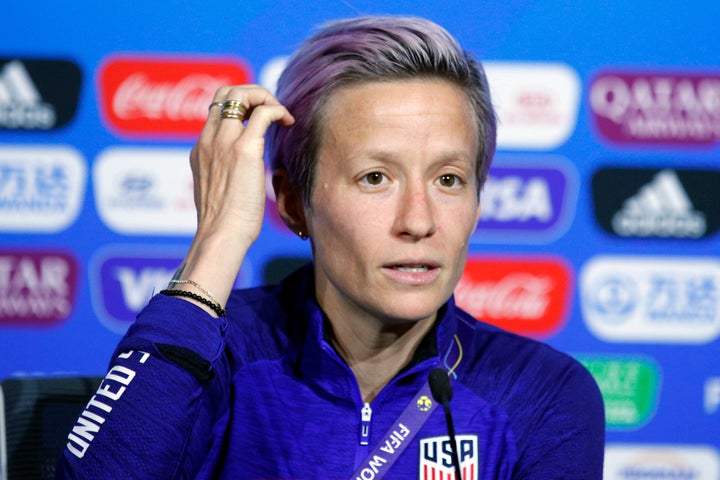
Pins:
x: 376, y: 352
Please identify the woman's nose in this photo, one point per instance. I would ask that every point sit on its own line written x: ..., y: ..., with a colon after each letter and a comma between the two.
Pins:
x: 415, y: 212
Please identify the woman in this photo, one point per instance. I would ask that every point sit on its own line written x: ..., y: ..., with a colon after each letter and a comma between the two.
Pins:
x: 380, y: 139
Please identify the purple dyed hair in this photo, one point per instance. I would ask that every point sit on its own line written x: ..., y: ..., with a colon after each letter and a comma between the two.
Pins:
x: 369, y: 49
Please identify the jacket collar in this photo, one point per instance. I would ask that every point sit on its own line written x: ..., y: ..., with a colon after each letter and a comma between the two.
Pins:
x: 312, y: 357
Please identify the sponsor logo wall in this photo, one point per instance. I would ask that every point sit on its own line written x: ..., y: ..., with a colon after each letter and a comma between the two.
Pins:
x: 599, y: 229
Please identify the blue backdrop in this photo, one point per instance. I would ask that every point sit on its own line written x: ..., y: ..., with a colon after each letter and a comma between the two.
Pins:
x: 600, y: 226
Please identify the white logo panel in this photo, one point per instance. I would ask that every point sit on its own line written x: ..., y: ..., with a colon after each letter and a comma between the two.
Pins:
x: 270, y: 72
x: 711, y: 400
x: 536, y: 103
x: 145, y: 190
x: 652, y: 299
x: 41, y: 188
x: 661, y: 462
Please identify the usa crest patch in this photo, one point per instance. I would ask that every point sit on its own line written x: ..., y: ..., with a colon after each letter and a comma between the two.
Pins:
x: 436, y: 458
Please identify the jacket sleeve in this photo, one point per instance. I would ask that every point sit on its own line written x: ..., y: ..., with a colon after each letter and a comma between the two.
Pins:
x: 566, y: 437
x: 162, y: 403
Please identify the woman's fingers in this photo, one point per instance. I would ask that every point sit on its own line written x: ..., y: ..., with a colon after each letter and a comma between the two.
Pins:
x: 241, y: 103
x: 249, y: 97
x: 227, y: 162
x: 251, y: 143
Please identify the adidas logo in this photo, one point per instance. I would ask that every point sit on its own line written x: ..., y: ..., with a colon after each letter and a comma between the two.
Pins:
x: 21, y: 106
x: 660, y: 208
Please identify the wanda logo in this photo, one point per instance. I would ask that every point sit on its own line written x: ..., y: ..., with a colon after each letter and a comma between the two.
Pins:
x: 523, y: 295
x: 163, y: 95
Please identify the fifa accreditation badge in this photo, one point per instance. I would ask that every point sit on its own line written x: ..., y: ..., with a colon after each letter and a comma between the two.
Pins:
x: 436, y: 458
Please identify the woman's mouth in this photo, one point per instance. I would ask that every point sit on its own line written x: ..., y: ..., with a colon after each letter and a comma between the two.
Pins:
x: 412, y: 268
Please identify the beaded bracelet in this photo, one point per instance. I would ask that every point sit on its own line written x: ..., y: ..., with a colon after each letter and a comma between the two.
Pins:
x: 184, y: 293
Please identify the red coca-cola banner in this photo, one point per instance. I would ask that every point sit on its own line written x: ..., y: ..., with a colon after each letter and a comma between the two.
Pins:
x: 528, y: 296
x: 163, y: 96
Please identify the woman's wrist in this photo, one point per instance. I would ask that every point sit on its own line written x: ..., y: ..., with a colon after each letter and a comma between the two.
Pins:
x: 209, y: 271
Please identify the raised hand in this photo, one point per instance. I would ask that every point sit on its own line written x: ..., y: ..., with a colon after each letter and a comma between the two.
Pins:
x: 229, y: 186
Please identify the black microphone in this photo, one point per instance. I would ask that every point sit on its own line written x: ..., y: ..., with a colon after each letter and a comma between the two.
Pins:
x: 442, y: 393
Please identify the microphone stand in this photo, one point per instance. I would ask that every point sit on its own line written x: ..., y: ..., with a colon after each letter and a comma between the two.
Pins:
x: 442, y: 393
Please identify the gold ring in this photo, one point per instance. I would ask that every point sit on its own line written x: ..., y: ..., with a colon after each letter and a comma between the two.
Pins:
x: 234, y: 114
x: 234, y: 104
x: 215, y: 104
x: 234, y: 109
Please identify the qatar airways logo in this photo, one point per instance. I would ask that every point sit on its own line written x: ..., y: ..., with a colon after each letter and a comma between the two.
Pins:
x: 37, y: 288
x: 647, y: 108
x: 161, y: 96
x: 528, y: 296
x: 527, y: 203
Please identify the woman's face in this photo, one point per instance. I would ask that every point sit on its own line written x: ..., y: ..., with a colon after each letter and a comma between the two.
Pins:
x: 395, y: 199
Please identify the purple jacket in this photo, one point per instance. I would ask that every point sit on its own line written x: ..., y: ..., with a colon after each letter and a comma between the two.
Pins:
x: 262, y: 394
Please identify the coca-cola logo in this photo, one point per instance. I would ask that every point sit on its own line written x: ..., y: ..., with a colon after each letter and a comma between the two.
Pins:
x: 163, y: 95
x: 523, y: 295
x: 644, y: 108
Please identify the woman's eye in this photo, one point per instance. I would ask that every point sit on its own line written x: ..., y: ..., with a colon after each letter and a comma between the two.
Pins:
x: 374, y: 178
x: 448, y: 180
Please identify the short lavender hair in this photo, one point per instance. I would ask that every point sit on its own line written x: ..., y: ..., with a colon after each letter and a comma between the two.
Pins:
x: 370, y: 49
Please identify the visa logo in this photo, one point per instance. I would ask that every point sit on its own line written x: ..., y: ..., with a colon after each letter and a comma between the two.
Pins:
x: 522, y: 203
x: 123, y: 279
x: 137, y: 287
x: 124, y: 282
x: 513, y: 198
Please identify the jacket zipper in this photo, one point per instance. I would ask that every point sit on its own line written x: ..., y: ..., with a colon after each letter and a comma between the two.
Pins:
x: 365, y: 417
x: 365, y: 412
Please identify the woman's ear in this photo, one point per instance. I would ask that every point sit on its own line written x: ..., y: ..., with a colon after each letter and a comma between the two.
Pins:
x: 289, y: 203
